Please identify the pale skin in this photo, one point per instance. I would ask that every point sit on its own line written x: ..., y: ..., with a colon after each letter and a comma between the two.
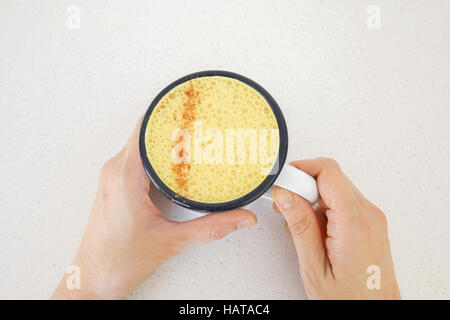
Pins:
x: 127, y: 238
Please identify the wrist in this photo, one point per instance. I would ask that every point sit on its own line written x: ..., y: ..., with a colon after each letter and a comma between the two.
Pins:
x: 84, y: 281
x: 77, y: 284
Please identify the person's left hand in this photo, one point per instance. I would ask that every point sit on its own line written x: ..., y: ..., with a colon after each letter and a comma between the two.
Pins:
x: 127, y: 238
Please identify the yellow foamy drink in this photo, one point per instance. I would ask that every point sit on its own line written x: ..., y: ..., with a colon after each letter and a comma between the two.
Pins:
x: 212, y: 139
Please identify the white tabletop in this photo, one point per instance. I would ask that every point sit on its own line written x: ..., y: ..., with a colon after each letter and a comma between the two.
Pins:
x: 376, y: 97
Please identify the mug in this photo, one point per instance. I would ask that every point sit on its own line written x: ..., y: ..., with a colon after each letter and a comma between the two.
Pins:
x: 285, y: 176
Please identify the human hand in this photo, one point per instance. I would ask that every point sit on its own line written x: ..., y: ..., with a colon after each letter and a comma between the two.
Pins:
x: 337, y: 242
x: 127, y: 238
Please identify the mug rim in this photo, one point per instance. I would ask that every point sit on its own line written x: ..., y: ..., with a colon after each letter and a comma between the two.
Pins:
x: 265, y: 185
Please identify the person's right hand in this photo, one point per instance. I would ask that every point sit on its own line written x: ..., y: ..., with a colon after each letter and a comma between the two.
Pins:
x: 342, y: 244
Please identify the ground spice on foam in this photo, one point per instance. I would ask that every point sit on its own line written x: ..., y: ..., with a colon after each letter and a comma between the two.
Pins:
x: 188, y: 116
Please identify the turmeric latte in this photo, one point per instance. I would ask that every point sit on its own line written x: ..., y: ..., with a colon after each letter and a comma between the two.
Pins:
x: 212, y: 139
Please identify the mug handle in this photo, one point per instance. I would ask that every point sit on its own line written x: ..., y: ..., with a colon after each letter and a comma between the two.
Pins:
x: 299, y: 182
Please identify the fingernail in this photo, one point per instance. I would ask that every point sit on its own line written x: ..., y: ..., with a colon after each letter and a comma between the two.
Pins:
x: 246, y: 222
x: 283, y: 198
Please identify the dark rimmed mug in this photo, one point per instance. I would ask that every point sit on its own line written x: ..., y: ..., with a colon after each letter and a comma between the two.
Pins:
x: 287, y: 177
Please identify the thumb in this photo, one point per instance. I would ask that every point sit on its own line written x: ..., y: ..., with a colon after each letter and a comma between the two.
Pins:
x: 212, y: 227
x: 305, y: 230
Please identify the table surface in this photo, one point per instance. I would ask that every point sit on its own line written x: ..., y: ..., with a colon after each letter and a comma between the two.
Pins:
x: 377, y: 100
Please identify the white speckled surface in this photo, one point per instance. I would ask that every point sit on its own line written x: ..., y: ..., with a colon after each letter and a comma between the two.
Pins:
x: 376, y: 100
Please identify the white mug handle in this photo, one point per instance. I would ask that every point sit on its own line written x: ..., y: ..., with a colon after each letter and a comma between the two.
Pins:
x: 299, y: 182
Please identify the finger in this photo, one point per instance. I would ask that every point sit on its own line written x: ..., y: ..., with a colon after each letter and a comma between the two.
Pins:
x: 322, y: 218
x: 275, y: 208
x: 335, y: 189
x: 315, y: 167
x: 212, y: 227
x: 132, y: 147
x: 286, y: 228
x: 132, y: 161
x: 304, y: 228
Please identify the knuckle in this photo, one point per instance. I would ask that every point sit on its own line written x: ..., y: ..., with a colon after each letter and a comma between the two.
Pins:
x: 331, y: 163
x: 216, y: 234
x: 174, y: 247
x: 111, y: 176
x: 381, y: 217
x: 300, y: 227
x: 114, y: 178
x: 106, y: 168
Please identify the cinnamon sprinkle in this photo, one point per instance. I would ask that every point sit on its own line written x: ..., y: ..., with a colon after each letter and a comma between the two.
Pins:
x: 188, y: 116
